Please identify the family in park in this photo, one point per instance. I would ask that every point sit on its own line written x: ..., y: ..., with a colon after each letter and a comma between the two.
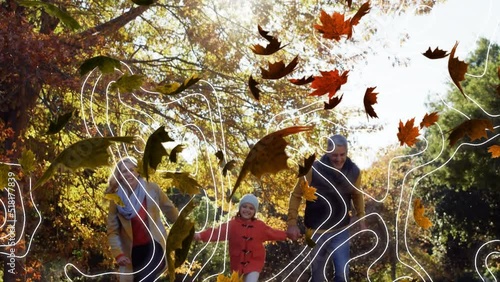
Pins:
x: 135, y: 231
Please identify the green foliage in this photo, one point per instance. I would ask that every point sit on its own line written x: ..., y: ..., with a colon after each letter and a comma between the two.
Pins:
x: 54, y: 11
x: 105, y: 65
x: 58, y: 124
x: 154, y: 151
x: 128, y: 83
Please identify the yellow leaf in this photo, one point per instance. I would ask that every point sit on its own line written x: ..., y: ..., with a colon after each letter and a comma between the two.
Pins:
x: 308, y: 192
x: 115, y: 198
x: 4, y: 172
x: 309, y: 241
x: 235, y: 277
x: 183, y: 182
x: 27, y: 161
x: 418, y: 214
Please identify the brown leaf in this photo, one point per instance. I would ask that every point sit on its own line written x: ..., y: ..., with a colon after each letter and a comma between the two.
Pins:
x: 307, y: 165
x: 173, y: 154
x: 268, y: 155
x: 349, y: 3
x: 252, y: 84
x: 334, y: 26
x: 429, y: 119
x: 495, y: 151
x: 302, y: 81
x: 271, y: 48
x: 332, y: 103
x: 220, y: 156
x: 183, y: 182
x: 408, y: 133
x: 363, y: 10
x: 228, y: 166
x: 369, y: 100
x: 329, y: 82
x: 457, y: 69
x: 436, y: 54
x: 278, y: 70
x: 418, y: 214
x: 474, y: 128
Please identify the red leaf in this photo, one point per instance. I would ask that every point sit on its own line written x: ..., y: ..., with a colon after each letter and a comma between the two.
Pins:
x: 363, y: 10
x: 271, y: 48
x: 429, y: 120
x: 436, y: 54
x: 278, y: 70
x: 457, y: 69
x: 332, y: 103
x: 408, y: 133
x: 333, y: 26
x: 370, y: 99
x: 474, y: 128
x: 330, y: 82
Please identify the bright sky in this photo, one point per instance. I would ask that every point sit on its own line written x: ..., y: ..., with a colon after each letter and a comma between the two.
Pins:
x: 403, y: 91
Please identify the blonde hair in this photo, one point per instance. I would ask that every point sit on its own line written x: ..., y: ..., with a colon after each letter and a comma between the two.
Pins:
x: 113, y: 178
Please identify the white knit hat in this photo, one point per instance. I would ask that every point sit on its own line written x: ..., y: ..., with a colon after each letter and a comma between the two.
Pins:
x: 251, y: 199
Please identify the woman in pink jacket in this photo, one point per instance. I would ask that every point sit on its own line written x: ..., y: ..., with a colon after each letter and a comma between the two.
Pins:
x: 246, y: 236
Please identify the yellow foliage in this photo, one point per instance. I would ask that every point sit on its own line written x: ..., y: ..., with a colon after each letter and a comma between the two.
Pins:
x: 27, y: 161
x: 308, y: 192
x: 235, y: 277
x: 418, y: 214
x: 4, y: 172
x: 115, y: 198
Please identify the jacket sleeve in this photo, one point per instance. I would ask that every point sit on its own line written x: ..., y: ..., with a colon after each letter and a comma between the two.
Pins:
x: 113, y: 231
x: 357, y: 198
x: 219, y: 234
x: 296, y: 199
x: 166, y: 205
x: 274, y: 234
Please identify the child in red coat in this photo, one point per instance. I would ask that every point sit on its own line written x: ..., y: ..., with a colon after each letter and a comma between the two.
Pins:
x: 246, y: 236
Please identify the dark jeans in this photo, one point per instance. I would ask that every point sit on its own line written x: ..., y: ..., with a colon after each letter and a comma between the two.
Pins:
x: 147, y: 261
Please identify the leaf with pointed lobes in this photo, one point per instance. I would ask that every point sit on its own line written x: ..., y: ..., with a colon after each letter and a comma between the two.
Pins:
x: 252, y: 85
x: 457, y: 69
x: 173, y: 154
x: 88, y: 153
x: 334, y: 26
x: 363, y: 10
x: 436, y: 54
x: 495, y: 151
x: 176, y: 88
x: 58, y: 124
x: 105, y: 64
x: 307, y: 165
x: 154, y: 150
x: 128, y: 83
x: 302, y: 81
x: 220, y: 156
x: 179, y: 240
x: 418, y: 214
x: 268, y: 155
x: 184, y: 182
x: 369, y: 100
x: 53, y: 11
x: 278, y: 70
x: 474, y: 128
x: 429, y: 119
x: 27, y: 161
x: 228, y: 166
x: 408, y: 133
x: 332, y: 103
x: 271, y: 48
x: 329, y: 82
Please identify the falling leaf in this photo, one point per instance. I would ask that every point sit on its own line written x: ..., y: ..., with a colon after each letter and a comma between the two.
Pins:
x: 128, y: 83
x: 229, y: 166
x: 154, y: 151
x: 58, y: 124
x: 179, y: 240
x: 332, y: 103
x: 436, y: 54
x: 363, y: 10
x: 54, y: 11
x: 27, y: 161
x: 176, y: 88
x: 114, y: 198
x: 4, y: 175
x: 143, y: 2
x: 268, y: 155
x: 457, y: 69
x: 302, y: 81
x: 308, y: 192
x: 369, y: 100
x: 220, y: 156
x: 334, y: 26
x: 307, y: 165
x: 418, y: 214
x: 329, y: 82
x: 429, y: 119
x: 271, y: 48
x: 252, y: 85
x: 89, y: 153
x: 408, y: 133
x: 183, y: 182
x: 495, y: 151
x: 105, y: 65
x: 474, y: 128
x: 278, y: 70
x: 173, y: 154
x: 235, y: 277
x: 309, y: 241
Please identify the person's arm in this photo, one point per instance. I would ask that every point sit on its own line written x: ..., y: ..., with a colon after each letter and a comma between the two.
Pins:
x: 219, y: 234
x: 113, y: 231
x: 357, y: 199
x: 274, y: 234
x: 293, y: 231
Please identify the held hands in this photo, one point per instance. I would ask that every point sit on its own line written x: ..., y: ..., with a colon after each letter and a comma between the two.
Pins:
x: 293, y: 232
x: 123, y: 261
x: 197, y: 237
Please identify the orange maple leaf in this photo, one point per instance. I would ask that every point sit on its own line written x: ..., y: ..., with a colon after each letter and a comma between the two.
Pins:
x: 457, y: 69
x: 363, y: 10
x: 408, y: 133
x: 271, y: 48
x: 268, y: 155
x: 369, y: 100
x: 308, y: 192
x: 436, y: 54
x: 418, y: 214
x: 474, y: 128
x: 332, y: 103
x: 334, y: 26
x: 330, y: 82
x: 429, y: 119
x: 252, y: 85
x: 278, y: 70
x: 495, y: 151
x: 302, y: 81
